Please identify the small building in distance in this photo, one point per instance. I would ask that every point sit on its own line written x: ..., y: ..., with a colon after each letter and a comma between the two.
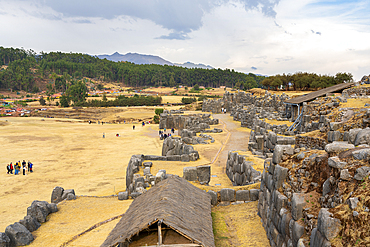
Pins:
x: 172, y: 213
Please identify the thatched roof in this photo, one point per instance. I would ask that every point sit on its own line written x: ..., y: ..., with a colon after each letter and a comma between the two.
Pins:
x: 319, y: 93
x: 182, y: 207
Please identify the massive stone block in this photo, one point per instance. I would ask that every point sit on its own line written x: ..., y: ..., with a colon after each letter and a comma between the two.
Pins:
x: 227, y: 195
x: 298, y: 203
x: 18, y: 234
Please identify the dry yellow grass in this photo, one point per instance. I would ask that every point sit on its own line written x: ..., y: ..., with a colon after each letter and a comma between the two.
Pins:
x: 355, y: 103
x: 69, y: 154
x: 74, y: 217
x: 73, y: 154
x: 238, y: 225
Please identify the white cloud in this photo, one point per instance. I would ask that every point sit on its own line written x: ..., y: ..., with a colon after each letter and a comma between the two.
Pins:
x: 305, y: 35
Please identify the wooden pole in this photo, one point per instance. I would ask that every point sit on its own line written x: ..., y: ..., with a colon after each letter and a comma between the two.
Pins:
x: 160, y: 233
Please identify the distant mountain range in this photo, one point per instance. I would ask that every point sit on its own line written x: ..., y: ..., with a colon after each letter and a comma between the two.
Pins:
x: 149, y: 59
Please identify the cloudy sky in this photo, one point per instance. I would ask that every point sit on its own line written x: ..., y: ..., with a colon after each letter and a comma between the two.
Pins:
x: 259, y: 36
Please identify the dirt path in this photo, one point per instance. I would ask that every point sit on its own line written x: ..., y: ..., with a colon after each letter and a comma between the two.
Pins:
x: 237, y: 225
x: 236, y: 139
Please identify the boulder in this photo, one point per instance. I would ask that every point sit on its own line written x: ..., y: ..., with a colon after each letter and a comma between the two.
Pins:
x: 344, y: 175
x: 363, y: 137
x: 53, y: 208
x: 38, y: 210
x: 335, y: 126
x: 328, y: 226
x: 4, y: 240
x: 66, y: 192
x: 18, y: 234
x: 336, y: 163
x: 56, y: 195
x: 352, y: 135
x: 352, y: 202
x: 227, y: 195
x: 362, y: 154
x: 204, y: 174
x: 337, y: 147
x: 30, y: 223
x: 123, y: 195
x: 362, y: 172
x: 71, y: 196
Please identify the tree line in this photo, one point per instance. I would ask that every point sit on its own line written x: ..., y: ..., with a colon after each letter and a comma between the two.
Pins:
x: 305, y: 81
x: 64, y: 69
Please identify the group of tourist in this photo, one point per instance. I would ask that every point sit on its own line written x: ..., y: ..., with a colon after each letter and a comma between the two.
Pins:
x: 18, y: 166
x: 164, y: 135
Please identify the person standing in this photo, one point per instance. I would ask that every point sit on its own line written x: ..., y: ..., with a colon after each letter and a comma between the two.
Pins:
x: 133, y: 127
x: 11, y: 168
x: 31, y: 166
x: 28, y: 166
x: 24, y: 170
x: 16, y: 168
x: 7, y: 168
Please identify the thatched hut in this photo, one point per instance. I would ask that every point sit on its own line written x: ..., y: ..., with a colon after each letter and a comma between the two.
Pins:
x: 173, y: 213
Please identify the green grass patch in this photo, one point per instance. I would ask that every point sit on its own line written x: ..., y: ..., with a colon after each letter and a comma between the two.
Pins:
x: 220, y: 230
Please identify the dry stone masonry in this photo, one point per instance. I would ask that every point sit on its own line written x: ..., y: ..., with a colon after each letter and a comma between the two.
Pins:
x: 240, y: 171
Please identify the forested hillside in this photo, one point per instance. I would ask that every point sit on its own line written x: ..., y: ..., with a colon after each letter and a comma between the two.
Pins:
x: 61, y: 70
x: 305, y: 81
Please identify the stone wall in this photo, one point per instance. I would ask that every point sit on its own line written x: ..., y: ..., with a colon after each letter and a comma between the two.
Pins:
x: 261, y: 142
x: 240, y: 171
x: 283, y: 211
x: 202, y: 174
x: 173, y: 146
x: 270, y: 103
x: 356, y: 92
x: 196, y: 123
x: 230, y: 196
x: 309, y: 142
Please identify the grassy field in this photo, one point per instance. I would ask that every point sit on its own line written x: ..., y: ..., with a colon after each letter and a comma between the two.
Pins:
x: 74, y: 155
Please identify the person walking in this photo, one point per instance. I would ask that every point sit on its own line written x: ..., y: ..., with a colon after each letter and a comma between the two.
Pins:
x: 24, y: 163
x: 11, y: 168
x: 7, y: 168
x: 133, y: 127
x: 28, y: 166
x: 24, y: 170
x: 31, y: 166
